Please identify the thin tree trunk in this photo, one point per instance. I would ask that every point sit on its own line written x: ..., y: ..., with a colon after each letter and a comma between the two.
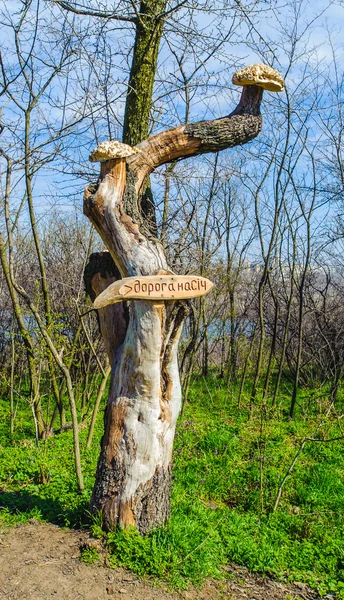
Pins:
x: 299, y: 352
x: 12, y: 385
x: 15, y: 290
x: 273, y: 341
x: 100, y: 394
x: 60, y: 408
x: 6, y: 262
x: 286, y: 327
x: 168, y: 174
x: 261, y: 341
x: 42, y: 269
x: 307, y: 218
x: 247, y: 360
x: 232, y: 375
x: 335, y: 383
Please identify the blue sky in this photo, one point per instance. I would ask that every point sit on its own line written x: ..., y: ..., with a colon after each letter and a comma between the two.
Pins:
x: 323, y: 36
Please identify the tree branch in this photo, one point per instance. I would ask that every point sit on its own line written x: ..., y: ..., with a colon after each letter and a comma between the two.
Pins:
x: 238, y: 128
x: 94, y: 13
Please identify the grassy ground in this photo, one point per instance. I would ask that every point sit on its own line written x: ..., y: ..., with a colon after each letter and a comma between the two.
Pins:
x: 228, y: 466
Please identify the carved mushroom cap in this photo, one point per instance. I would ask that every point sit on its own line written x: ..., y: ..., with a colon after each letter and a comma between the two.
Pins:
x: 110, y: 150
x: 261, y: 75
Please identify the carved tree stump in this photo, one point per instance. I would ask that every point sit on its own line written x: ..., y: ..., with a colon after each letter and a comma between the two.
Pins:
x: 133, y: 478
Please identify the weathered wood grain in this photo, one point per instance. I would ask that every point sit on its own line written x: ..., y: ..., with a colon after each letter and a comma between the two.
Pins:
x: 158, y: 287
x: 134, y: 470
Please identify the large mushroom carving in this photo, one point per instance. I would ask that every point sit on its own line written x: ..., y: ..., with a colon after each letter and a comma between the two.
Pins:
x: 260, y: 75
x: 112, y: 149
x: 133, y: 479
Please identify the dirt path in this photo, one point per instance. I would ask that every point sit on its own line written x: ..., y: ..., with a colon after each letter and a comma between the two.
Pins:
x: 42, y: 562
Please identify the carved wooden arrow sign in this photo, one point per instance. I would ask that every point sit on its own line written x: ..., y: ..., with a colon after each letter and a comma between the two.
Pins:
x: 157, y: 287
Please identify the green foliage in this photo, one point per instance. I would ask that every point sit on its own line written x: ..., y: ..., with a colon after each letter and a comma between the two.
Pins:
x: 227, y: 469
x: 89, y: 555
x: 24, y: 495
x: 181, y: 552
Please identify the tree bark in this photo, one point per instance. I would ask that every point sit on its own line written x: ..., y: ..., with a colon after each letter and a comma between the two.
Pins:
x: 100, y: 272
x: 149, y: 28
x: 133, y: 478
x: 134, y: 472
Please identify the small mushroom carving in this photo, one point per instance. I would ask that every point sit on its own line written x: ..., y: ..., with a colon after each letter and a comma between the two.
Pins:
x: 110, y: 150
x: 260, y: 75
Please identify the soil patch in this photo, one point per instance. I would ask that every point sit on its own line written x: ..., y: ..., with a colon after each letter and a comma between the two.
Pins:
x: 42, y: 562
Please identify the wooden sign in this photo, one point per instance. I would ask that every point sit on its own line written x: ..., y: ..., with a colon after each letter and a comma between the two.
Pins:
x: 157, y: 287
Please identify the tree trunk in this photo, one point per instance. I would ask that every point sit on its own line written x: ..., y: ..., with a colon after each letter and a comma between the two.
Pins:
x: 134, y: 470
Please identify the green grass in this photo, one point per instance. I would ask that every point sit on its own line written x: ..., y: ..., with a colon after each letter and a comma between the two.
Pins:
x: 227, y: 469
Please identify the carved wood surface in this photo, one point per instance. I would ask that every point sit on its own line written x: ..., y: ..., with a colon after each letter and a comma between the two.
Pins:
x: 158, y: 287
x: 100, y: 272
x: 134, y: 470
